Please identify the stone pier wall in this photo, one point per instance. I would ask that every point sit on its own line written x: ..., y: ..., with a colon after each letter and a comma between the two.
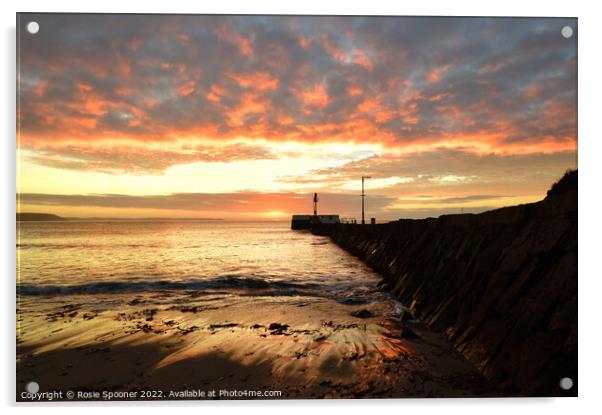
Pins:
x: 501, y: 284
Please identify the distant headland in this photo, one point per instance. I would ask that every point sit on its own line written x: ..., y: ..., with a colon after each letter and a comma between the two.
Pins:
x: 28, y: 216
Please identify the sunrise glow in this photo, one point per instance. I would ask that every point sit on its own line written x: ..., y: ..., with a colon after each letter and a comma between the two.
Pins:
x: 246, y: 117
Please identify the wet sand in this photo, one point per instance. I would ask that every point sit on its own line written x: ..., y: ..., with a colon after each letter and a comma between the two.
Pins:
x: 304, y: 347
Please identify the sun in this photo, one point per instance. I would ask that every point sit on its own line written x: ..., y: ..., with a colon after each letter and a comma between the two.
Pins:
x: 275, y: 214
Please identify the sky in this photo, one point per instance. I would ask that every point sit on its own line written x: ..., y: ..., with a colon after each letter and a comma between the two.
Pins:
x: 245, y: 117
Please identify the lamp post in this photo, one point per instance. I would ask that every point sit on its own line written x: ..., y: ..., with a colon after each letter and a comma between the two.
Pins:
x: 363, y: 197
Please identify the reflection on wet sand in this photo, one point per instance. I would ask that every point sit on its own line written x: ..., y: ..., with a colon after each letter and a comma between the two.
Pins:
x: 305, y: 347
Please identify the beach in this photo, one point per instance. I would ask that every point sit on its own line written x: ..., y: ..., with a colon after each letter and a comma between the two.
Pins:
x: 306, y: 321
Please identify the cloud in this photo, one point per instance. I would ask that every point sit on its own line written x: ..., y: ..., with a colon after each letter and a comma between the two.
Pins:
x: 251, y: 204
x: 142, y: 160
x: 262, y: 81
x: 456, y: 109
x: 447, y: 173
x: 376, y: 183
x: 497, y: 84
x: 426, y: 200
x: 451, y: 178
x: 243, y: 202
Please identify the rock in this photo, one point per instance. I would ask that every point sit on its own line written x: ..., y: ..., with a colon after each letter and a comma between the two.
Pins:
x: 277, y: 328
x: 222, y: 325
x: 408, y: 333
x: 149, y: 314
x: 88, y: 316
x: 405, y: 315
x: 187, y: 330
x: 363, y: 313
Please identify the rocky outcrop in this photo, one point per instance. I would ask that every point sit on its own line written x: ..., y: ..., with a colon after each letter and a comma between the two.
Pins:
x: 502, y: 284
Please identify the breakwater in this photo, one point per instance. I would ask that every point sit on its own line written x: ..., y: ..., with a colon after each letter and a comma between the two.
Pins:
x: 501, y: 284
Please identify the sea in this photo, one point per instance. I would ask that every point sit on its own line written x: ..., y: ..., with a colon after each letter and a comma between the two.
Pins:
x: 261, y: 259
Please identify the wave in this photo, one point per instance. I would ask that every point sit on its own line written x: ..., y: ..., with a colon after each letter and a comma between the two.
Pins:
x: 222, y: 282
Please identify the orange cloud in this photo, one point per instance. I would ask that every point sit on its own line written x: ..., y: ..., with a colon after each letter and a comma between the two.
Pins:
x: 187, y: 88
x: 346, y: 83
x: 304, y: 41
x: 355, y: 55
x: 40, y: 88
x: 251, y: 103
x: 242, y: 43
x: 215, y: 94
x: 490, y: 68
x: 133, y: 158
x: 436, y: 74
x: 384, y: 116
x: 369, y: 105
x: 354, y: 91
x: 360, y: 58
x: 285, y: 120
x: 334, y: 51
x: 315, y: 96
x: 262, y: 81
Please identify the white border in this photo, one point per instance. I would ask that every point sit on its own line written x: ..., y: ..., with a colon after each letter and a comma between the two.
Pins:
x: 590, y: 232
